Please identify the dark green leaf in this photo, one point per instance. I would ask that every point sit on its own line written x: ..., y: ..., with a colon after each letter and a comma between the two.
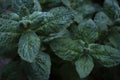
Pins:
x: 112, y: 8
x: 115, y: 40
x: 105, y: 55
x: 102, y: 20
x: 9, y: 34
x: 87, y: 31
x: 10, y: 15
x: 40, y: 69
x: 66, y: 48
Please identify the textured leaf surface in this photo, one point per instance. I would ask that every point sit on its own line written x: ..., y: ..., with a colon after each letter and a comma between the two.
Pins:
x: 9, y: 34
x: 25, y: 7
x: 40, y: 69
x: 10, y: 15
x: 39, y: 18
x: 115, y: 40
x: 28, y: 46
x: 112, y: 8
x: 84, y: 66
x: 105, y: 55
x: 102, y: 20
x: 87, y: 31
x: 62, y: 18
x: 66, y: 49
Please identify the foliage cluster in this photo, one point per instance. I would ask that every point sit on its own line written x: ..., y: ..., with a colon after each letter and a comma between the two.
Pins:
x: 41, y: 38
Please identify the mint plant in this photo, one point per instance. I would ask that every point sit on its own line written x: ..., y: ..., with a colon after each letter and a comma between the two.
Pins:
x: 34, y: 34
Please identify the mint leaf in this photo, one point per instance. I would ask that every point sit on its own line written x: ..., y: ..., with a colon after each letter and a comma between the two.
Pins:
x: 39, y: 18
x: 115, y: 40
x: 105, y: 55
x: 87, y: 31
x: 111, y: 7
x: 102, y: 21
x: 10, y: 15
x: 66, y: 48
x: 62, y: 19
x: 40, y: 69
x: 25, y: 7
x: 84, y: 66
x: 9, y: 34
x: 28, y: 46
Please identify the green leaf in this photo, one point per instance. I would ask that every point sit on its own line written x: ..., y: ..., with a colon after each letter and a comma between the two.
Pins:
x: 9, y: 34
x: 40, y: 69
x: 78, y: 17
x: 102, y: 21
x: 111, y: 7
x: 67, y: 3
x: 28, y: 46
x: 39, y: 18
x: 115, y: 40
x: 25, y: 7
x: 10, y: 15
x: 87, y: 31
x: 66, y: 48
x: 105, y: 55
x: 84, y: 66
x: 86, y: 8
x: 62, y: 34
x: 62, y: 19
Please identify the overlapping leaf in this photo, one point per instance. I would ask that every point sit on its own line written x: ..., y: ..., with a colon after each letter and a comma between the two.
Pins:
x: 102, y: 21
x: 115, y: 40
x: 28, y: 46
x: 112, y: 8
x: 25, y: 7
x: 105, y: 55
x: 66, y: 48
x: 62, y: 18
x: 87, y: 31
x: 84, y: 66
x: 9, y: 34
x: 40, y: 69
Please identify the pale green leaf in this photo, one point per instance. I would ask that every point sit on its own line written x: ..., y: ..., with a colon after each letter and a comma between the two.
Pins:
x: 28, y: 46
x: 25, y: 7
x: 39, y: 18
x: 62, y: 19
x: 84, y: 65
x: 67, y: 3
